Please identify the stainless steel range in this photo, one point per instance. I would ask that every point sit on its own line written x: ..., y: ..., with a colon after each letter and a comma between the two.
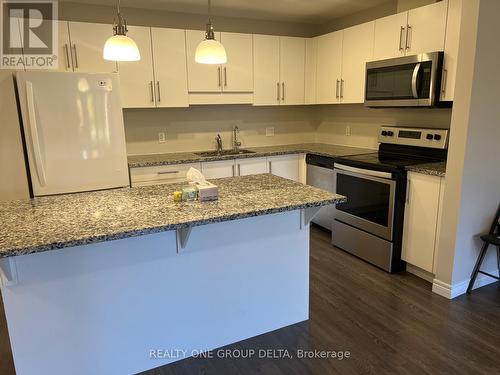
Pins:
x: 370, y: 224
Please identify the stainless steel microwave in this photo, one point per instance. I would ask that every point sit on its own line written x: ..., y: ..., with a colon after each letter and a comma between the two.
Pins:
x: 410, y: 81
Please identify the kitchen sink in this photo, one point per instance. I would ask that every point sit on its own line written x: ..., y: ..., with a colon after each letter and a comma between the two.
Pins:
x: 207, y: 154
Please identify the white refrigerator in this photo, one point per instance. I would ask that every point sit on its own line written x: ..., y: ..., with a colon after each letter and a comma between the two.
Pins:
x: 73, y: 131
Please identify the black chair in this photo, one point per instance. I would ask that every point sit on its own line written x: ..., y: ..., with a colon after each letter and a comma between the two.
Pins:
x: 492, y: 238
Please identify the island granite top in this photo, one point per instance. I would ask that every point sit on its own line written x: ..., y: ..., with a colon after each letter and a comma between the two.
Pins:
x: 432, y: 169
x: 135, y: 161
x: 48, y: 223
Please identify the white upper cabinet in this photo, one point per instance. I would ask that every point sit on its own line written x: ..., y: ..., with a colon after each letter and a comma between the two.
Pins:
x: 169, y: 59
x: 137, y: 81
x: 237, y: 74
x: 357, y: 49
x: 266, y: 65
x: 201, y: 77
x: 310, y: 74
x: 65, y: 63
x: 426, y: 28
x: 451, y: 49
x: 417, y: 31
x: 329, y: 68
x: 279, y: 70
x: 292, y: 70
x: 390, y: 36
x: 87, y: 43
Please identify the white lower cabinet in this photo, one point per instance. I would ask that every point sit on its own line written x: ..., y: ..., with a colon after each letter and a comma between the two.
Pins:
x: 164, y: 174
x: 245, y: 167
x: 287, y: 166
x: 218, y: 169
x: 421, y: 224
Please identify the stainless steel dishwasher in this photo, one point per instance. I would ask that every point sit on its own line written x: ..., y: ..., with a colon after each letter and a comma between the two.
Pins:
x: 320, y: 174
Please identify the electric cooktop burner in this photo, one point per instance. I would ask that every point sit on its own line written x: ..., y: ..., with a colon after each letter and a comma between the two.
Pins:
x: 388, y: 160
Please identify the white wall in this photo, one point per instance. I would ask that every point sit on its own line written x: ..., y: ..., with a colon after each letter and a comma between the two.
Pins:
x: 195, y: 128
x: 472, y: 179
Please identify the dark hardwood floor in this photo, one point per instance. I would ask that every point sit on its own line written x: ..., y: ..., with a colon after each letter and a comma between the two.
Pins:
x: 391, y: 324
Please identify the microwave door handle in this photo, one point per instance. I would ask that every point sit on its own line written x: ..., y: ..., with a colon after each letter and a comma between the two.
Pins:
x: 414, y: 80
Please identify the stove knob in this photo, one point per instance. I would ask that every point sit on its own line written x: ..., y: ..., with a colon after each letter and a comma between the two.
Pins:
x: 430, y: 137
x: 437, y: 137
x: 384, y: 133
x: 390, y: 133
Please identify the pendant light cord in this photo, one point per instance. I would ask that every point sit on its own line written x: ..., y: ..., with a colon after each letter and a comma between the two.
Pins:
x: 209, y: 11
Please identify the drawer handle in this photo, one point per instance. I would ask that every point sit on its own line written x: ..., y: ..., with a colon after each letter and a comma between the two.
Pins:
x: 168, y: 172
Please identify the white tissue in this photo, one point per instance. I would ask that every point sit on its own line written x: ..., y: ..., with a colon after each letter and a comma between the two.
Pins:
x: 195, y: 176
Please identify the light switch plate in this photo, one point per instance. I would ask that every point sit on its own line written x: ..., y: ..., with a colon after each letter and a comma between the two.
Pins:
x: 270, y: 131
x: 348, y: 130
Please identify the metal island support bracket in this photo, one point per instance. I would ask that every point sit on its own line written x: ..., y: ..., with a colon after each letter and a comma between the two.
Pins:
x: 306, y: 215
x: 8, y: 272
x: 183, y: 237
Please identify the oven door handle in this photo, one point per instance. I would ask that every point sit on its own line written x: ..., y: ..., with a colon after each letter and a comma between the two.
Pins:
x: 366, y: 172
x: 414, y: 80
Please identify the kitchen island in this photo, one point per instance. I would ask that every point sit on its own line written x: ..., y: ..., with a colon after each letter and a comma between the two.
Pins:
x: 125, y: 280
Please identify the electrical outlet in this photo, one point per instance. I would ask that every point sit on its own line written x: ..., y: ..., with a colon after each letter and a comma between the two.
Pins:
x: 348, y: 130
x: 162, y: 137
x: 270, y: 132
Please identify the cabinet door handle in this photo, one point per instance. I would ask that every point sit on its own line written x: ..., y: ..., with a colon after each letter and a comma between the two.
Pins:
x: 283, y: 91
x: 158, y: 91
x: 401, y: 38
x: 218, y: 76
x: 152, y: 91
x: 168, y: 172
x: 225, y: 76
x: 66, y: 52
x: 445, y: 81
x: 270, y: 167
x: 239, y: 169
x: 409, y: 36
x: 337, y: 89
x: 341, y: 89
x: 278, y: 91
x: 76, y: 56
x: 232, y: 167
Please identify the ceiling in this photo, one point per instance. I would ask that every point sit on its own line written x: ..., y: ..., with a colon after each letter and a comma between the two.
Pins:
x: 303, y: 11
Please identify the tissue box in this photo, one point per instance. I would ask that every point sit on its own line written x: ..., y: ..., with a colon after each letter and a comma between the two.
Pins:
x: 207, y: 192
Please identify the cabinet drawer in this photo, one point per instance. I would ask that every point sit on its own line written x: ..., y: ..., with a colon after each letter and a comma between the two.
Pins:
x: 164, y: 174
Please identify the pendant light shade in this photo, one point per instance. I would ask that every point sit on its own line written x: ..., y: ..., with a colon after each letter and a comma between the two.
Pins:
x: 120, y: 47
x: 210, y: 51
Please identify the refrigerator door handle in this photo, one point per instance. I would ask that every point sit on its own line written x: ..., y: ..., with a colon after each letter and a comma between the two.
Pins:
x: 40, y: 169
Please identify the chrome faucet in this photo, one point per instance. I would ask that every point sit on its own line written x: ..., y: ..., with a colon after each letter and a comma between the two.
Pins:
x: 236, y: 143
x: 218, y: 139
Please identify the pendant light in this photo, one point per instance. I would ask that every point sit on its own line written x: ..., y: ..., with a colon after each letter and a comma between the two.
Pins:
x: 120, y: 47
x: 210, y: 51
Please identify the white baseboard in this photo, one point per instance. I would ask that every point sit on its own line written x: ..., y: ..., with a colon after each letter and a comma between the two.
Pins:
x: 455, y: 290
x: 419, y: 272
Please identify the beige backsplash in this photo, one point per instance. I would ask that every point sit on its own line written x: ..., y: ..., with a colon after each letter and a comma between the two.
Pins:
x: 195, y: 128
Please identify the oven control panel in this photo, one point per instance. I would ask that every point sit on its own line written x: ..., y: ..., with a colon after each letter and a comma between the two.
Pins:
x: 420, y: 137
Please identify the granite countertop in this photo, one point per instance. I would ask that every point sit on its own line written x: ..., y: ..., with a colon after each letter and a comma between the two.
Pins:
x: 47, y: 223
x: 433, y: 169
x: 322, y: 149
